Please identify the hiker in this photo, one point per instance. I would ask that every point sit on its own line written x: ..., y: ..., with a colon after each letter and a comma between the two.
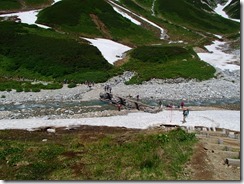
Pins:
x: 129, y: 96
x: 185, y: 114
x: 182, y: 104
x: 119, y: 107
x: 137, y: 97
x: 89, y: 85
x: 160, y: 104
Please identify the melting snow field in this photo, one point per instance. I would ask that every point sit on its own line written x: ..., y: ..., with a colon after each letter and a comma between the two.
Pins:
x: 217, y: 58
x: 219, y: 10
x: 27, y: 17
x: 207, y: 118
x: 111, y: 51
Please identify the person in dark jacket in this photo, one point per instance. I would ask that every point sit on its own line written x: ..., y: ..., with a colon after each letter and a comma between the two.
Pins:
x: 185, y: 114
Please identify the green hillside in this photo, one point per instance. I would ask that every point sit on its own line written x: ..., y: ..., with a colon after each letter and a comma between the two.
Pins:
x: 56, y: 54
x: 233, y: 9
x: 166, y: 62
x: 31, y: 52
x: 188, y: 13
x: 11, y: 5
x: 81, y: 17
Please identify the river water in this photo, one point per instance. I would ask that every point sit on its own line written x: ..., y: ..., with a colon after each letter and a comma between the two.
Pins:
x: 97, y: 105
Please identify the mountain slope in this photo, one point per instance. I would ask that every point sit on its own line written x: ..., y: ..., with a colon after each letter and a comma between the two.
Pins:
x: 233, y: 9
x: 60, y: 52
x: 194, y: 15
x: 29, y: 52
x: 82, y: 18
x: 15, y: 5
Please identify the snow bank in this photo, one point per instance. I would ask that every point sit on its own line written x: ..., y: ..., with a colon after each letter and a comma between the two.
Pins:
x: 111, y: 51
x: 27, y: 17
x: 127, y: 16
x: 220, y: 10
x: 218, y: 58
x: 209, y: 118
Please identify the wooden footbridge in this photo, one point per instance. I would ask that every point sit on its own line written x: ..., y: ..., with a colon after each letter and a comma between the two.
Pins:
x: 128, y: 103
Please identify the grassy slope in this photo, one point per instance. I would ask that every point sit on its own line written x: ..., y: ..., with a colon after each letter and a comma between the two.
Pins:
x: 189, y: 13
x: 16, y: 4
x: 167, y: 62
x: 195, y: 18
x: 81, y: 22
x: 233, y: 9
x: 9, y: 4
x: 31, y: 52
x: 94, y: 154
x: 175, y: 31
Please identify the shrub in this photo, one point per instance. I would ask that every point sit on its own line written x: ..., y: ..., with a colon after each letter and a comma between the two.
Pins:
x: 27, y: 89
x: 35, y: 90
x: 19, y: 89
x: 71, y: 85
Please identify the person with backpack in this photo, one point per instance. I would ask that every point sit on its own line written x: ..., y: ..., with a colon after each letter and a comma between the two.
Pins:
x: 185, y: 114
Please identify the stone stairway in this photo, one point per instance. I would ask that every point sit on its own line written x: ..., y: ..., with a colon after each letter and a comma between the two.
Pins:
x: 224, y: 143
x: 216, y: 156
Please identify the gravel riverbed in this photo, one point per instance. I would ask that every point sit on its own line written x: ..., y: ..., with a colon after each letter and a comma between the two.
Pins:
x: 222, y: 90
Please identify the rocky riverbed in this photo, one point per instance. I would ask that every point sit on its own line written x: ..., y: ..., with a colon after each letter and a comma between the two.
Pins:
x: 82, y: 101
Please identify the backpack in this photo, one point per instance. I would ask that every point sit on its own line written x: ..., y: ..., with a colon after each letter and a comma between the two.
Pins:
x: 186, y: 112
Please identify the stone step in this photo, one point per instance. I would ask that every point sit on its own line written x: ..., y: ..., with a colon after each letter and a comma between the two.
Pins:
x: 222, y: 146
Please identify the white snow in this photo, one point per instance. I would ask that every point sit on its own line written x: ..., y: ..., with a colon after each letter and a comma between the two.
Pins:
x: 219, y: 10
x: 209, y: 118
x: 127, y: 16
x: 163, y: 34
x: 28, y: 17
x: 218, y: 58
x: 112, y: 51
x: 55, y: 1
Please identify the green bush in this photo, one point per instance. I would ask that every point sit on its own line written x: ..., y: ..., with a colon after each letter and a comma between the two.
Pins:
x: 35, y: 90
x: 19, y: 89
x: 71, y: 85
x: 27, y: 89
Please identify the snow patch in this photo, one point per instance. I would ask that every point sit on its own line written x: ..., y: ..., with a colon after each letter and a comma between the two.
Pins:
x: 127, y: 16
x: 112, y: 51
x: 220, y: 10
x: 217, y: 58
x: 163, y: 34
x: 28, y: 17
